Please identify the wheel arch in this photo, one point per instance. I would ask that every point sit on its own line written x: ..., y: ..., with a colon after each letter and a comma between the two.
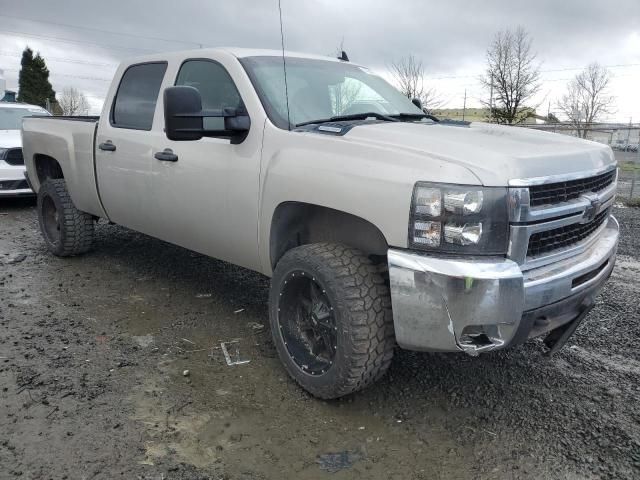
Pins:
x: 47, y: 167
x: 298, y: 223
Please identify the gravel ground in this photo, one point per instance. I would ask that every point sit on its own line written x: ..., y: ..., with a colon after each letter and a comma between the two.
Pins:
x: 93, y: 352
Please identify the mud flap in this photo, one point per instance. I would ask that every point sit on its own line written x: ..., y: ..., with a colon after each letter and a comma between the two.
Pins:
x: 557, y: 338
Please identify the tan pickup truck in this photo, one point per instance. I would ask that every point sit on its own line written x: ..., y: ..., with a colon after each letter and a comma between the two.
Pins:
x: 378, y: 225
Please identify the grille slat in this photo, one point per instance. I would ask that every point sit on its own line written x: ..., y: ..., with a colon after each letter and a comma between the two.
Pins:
x: 560, y: 192
x: 550, y: 240
x: 14, y: 157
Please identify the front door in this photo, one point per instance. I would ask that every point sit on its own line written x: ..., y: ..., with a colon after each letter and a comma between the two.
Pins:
x: 205, y: 196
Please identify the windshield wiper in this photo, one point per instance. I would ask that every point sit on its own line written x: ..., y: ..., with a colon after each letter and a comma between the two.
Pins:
x: 415, y: 116
x: 354, y: 116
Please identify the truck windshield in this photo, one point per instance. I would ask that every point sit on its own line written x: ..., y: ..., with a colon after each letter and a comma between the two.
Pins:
x: 321, y: 89
x: 11, y: 118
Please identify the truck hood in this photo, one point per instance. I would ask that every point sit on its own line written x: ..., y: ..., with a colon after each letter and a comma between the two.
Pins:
x: 495, y: 154
x: 10, y: 139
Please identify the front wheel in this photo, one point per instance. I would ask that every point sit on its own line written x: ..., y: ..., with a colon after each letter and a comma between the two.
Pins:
x: 331, y: 319
x: 66, y: 230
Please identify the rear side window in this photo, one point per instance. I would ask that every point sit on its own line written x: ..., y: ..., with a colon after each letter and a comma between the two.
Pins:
x: 215, y: 86
x: 137, y: 95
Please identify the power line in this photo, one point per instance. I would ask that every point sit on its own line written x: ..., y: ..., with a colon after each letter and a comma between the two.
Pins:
x: 53, y: 74
x: 620, y: 65
x: 64, y: 60
x: 81, y: 42
x: 102, y: 31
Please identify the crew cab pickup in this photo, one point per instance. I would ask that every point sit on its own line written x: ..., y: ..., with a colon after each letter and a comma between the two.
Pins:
x: 378, y: 224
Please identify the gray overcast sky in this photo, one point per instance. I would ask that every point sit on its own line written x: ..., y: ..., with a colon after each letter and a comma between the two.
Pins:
x: 450, y: 37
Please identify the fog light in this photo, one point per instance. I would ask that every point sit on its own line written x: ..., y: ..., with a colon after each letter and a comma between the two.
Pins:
x: 467, y: 234
x: 427, y: 233
x: 464, y: 203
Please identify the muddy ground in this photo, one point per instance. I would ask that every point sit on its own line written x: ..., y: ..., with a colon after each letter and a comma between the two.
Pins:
x: 93, y: 350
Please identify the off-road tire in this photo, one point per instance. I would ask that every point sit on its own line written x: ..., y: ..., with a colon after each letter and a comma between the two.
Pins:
x: 71, y: 231
x: 360, y: 298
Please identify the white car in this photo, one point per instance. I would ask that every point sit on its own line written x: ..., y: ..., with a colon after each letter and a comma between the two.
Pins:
x: 12, y: 169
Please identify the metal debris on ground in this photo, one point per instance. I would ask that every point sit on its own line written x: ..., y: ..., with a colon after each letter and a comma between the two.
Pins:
x: 204, y: 295
x: 186, y: 373
x: 16, y: 258
x: 239, y: 310
x: 234, y: 357
x: 334, y: 462
x: 255, y: 325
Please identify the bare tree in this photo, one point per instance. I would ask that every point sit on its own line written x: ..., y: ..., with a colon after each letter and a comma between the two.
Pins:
x: 73, y: 102
x: 431, y: 100
x: 587, y: 98
x: 408, y: 73
x: 512, y: 77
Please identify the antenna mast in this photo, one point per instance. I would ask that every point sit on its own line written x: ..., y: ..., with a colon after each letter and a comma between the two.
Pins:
x: 284, y: 66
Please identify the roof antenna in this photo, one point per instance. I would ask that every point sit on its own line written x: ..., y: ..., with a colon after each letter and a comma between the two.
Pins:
x: 284, y: 66
x: 343, y: 56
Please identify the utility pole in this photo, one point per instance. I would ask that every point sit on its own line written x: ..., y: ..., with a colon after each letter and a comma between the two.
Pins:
x: 626, y: 147
x: 491, y: 96
x: 549, y: 112
x: 464, y: 106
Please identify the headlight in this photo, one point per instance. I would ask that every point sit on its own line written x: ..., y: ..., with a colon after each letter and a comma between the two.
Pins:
x: 458, y: 218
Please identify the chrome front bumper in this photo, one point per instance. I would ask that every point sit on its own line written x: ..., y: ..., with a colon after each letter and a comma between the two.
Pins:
x: 479, y: 304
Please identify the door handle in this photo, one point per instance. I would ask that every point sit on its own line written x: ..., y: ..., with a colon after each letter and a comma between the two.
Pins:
x: 166, y: 155
x: 107, y: 146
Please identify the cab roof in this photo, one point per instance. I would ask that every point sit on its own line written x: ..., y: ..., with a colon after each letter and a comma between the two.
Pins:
x: 235, y: 51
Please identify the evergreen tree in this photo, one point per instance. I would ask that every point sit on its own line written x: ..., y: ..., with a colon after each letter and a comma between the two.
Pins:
x: 33, y: 81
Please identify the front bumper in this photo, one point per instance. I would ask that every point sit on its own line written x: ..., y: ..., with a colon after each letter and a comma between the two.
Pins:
x: 13, y: 182
x: 478, y: 304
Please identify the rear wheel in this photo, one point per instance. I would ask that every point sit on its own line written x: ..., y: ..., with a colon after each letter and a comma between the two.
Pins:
x: 330, y: 314
x: 66, y: 230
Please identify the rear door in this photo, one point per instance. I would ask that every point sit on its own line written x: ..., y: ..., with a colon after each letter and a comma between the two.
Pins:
x: 124, y: 147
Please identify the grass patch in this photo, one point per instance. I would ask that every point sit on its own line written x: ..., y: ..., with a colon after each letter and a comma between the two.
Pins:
x: 629, y: 202
x: 629, y: 166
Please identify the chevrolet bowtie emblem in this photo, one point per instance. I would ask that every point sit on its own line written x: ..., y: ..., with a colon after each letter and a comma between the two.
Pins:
x: 592, y: 209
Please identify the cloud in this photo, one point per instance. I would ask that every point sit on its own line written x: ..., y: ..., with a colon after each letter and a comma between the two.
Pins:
x: 450, y: 37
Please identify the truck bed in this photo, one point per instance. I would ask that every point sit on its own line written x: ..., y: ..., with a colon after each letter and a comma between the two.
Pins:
x: 70, y: 141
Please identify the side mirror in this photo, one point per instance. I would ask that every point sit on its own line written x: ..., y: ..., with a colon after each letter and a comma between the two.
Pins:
x: 182, y: 113
x: 183, y: 116
x: 417, y: 102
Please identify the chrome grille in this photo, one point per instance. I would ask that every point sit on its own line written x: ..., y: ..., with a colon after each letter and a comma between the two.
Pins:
x: 542, y: 233
x: 550, y: 240
x: 14, y: 157
x: 552, y: 193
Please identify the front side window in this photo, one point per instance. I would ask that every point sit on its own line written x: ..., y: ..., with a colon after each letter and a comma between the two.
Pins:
x: 321, y: 89
x: 137, y: 95
x: 215, y: 86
